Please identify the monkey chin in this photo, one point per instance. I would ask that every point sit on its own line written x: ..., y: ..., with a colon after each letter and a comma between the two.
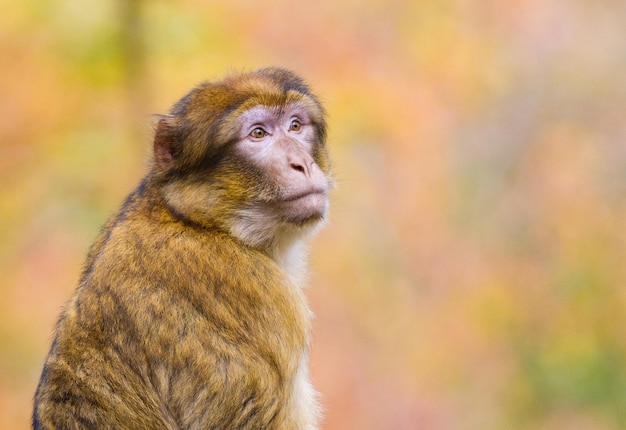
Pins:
x: 278, y: 224
x: 304, y: 209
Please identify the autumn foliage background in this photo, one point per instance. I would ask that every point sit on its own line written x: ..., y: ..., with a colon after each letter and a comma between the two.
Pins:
x: 473, y: 274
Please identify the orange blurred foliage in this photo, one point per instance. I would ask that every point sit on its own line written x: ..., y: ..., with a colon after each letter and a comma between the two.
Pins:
x: 472, y: 274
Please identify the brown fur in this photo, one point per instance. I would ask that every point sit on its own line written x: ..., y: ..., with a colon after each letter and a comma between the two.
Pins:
x: 176, y: 322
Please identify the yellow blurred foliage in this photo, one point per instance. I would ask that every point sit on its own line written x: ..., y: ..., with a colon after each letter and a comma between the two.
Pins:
x: 472, y: 275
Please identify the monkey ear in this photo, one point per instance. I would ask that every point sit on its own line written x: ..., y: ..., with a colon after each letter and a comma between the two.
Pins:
x: 165, y: 143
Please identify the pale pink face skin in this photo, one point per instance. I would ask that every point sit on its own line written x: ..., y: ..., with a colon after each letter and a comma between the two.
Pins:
x: 279, y: 141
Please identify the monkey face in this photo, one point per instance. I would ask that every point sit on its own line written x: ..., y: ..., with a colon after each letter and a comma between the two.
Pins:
x: 283, y: 172
x: 247, y: 155
x: 278, y: 144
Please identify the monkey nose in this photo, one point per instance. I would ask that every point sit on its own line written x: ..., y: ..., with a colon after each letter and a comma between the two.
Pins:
x: 301, y: 166
x: 298, y: 167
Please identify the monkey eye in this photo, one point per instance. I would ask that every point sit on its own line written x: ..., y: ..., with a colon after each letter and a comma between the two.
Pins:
x: 258, y: 133
x: 295, y: 125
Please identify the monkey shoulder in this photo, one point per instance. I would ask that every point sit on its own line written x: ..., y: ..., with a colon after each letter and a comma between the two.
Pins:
x: 170, y: 279
x: 184, y: 319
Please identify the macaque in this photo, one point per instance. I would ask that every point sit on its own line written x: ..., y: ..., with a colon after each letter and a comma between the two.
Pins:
x: 189, y: 313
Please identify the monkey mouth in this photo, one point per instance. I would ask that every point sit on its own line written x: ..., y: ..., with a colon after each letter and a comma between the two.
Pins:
x: 308, y: 205
x: 317, y: 192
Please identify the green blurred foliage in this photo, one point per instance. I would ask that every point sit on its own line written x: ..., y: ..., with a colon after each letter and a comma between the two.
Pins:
x: 472, y: 273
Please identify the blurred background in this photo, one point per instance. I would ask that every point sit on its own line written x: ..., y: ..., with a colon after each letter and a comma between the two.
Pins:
x: 473, y: 274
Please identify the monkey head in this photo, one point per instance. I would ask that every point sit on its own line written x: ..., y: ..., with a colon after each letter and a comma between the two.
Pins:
x: 247, y: 155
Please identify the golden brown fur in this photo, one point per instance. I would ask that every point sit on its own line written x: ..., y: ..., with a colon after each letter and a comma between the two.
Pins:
x: 186, y: 315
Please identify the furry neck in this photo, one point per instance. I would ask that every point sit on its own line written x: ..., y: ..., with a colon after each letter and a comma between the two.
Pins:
x: 285, y: 243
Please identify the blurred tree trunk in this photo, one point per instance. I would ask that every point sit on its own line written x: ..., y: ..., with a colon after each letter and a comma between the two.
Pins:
x: 133, y: 55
